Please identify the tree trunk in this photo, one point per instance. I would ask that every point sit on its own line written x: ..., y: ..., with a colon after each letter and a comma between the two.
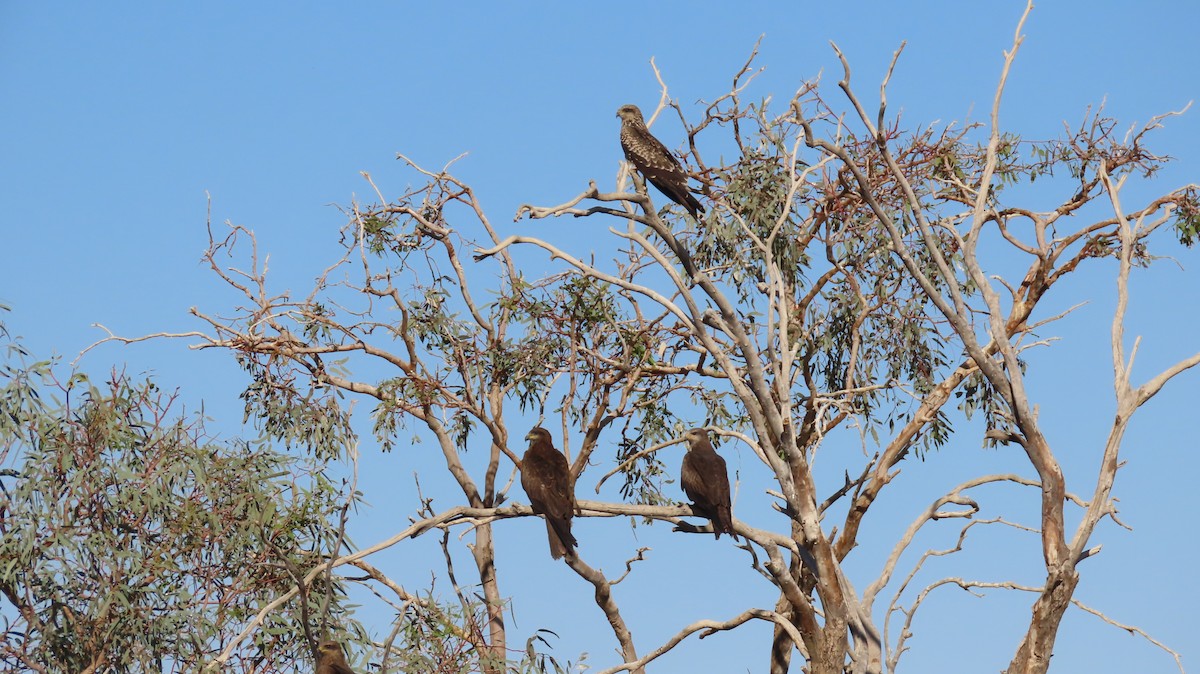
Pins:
x: 1033, y: 657
x: 781, y: 643
x: 484, y: 553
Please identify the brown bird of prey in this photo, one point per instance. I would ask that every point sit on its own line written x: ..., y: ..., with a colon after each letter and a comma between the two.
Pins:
x: 705, y: 480
x: 654, y: 161
x: 332, y: 660
x: 546, y: 478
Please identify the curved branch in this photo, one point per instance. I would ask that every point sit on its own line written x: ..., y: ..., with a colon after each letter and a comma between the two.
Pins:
x: 709, y: 627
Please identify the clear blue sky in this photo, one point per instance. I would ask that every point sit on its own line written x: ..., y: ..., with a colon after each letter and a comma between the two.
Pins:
x: 118, y: 117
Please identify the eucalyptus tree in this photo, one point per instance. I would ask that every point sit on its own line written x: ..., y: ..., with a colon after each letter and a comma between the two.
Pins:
x: 838, y: 284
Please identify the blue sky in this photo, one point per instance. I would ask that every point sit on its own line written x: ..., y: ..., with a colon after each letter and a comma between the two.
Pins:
x: 118, y: 118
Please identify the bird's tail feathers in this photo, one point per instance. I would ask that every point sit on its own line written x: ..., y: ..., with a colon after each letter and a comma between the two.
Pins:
x: 561, y: 540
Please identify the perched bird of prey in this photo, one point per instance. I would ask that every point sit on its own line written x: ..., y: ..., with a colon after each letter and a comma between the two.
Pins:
x: 705, y: 480
x: 654, y: 161
x: 546, y: 478
x: 332, y: 659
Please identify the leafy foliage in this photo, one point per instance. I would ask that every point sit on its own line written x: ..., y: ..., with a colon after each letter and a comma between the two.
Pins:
x: 132, y: 542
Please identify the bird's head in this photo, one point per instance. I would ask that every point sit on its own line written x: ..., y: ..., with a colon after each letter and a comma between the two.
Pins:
x: 629, y: 113
x: 537, y: 433
x: 695, y: 436
x: 330, y: 648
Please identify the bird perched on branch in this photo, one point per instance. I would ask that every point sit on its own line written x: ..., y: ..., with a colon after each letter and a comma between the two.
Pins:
x: 705, y: 480
x: 332, y: 660
x: 654, y: 161
x: 546, y: 478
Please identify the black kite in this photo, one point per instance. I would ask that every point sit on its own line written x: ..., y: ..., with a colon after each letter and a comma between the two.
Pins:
x: 332, y: 660
x: 705, y: 480
x: 546, y: 478
x: 654, y: 161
